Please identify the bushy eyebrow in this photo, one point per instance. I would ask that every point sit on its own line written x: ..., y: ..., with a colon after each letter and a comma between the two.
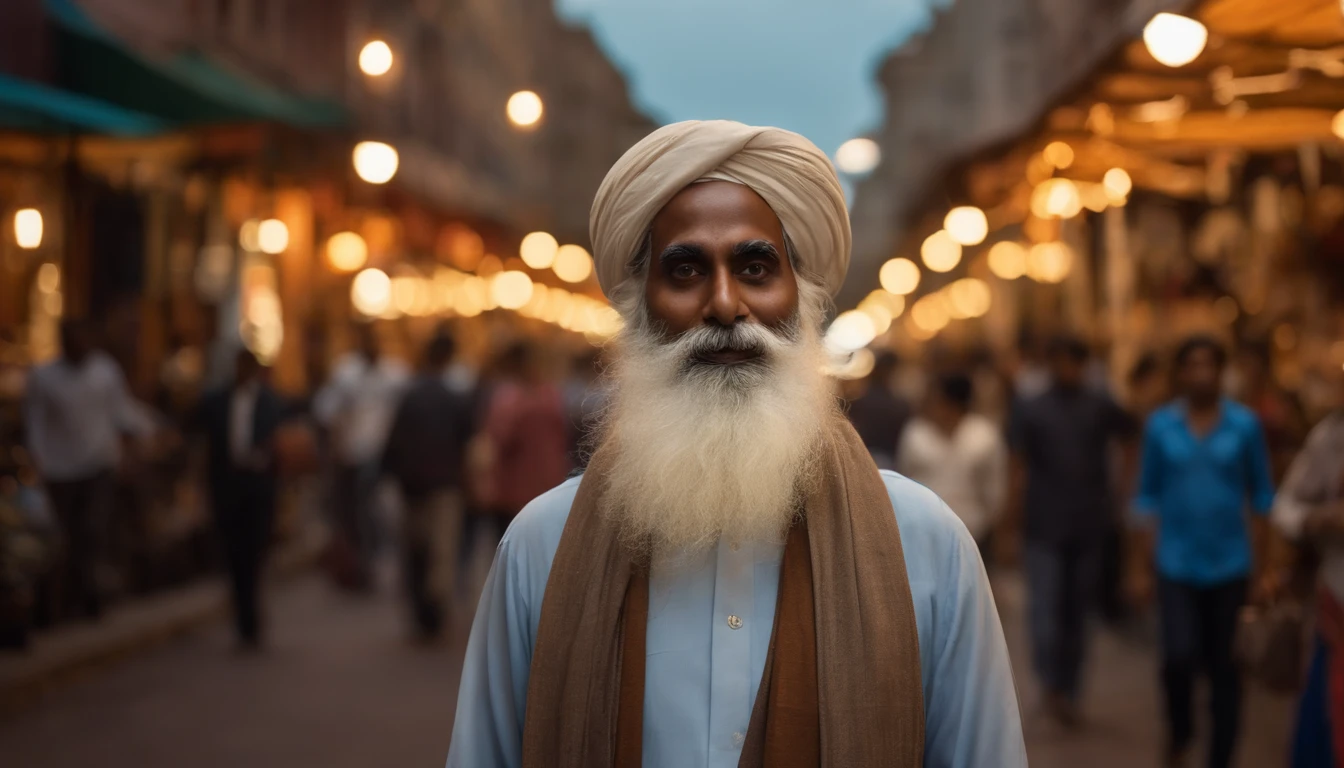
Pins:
x: 678, y: 251
x: 756, y: 247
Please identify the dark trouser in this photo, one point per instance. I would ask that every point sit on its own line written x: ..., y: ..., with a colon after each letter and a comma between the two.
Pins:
x: 244, y: 510
x: 355, y: 486
x: 1199, y: 624
x: 431, y: 530
x: 1111, y: 587
x: 81, y: 508
x: 1061, y: 592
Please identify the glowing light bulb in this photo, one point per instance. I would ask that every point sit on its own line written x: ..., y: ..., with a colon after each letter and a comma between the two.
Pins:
x: 967, y: 225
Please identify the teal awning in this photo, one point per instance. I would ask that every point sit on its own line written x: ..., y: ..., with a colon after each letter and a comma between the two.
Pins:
x: 185, y: 88
x: 30, y: 106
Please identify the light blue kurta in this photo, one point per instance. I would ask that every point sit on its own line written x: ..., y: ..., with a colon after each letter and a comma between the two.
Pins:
x: 709, y: 629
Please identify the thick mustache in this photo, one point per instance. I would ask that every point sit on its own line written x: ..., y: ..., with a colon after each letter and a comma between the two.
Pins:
x: 735, y: 339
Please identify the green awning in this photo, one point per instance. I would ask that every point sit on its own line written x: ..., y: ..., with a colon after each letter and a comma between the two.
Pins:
x: 30, y: 106
x: 186, y: 88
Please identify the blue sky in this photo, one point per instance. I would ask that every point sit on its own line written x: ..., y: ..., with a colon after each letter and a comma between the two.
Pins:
x: 805, y: 65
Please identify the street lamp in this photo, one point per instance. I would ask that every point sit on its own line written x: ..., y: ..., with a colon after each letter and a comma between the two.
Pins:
x: 375, y: 162
x: 525, y: 109
x: 375, y: 58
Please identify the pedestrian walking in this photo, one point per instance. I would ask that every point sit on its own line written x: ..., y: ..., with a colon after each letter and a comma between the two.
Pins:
x: 527, y: 433
x: 878, y: 414
x: 1204, y: 463
x: 1062, y: 503
x: 959, y: 455
x: 77, y: 411
x: 425, y: 454
x: 1309, y: 511
x: 240, y: 423
x: 356, y: 406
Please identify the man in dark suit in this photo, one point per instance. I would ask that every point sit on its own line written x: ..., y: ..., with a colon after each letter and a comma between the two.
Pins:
x: 239, y: 423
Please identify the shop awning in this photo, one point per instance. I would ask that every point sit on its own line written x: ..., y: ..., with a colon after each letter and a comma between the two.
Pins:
x: 184, y: 88
x: 30, y: 106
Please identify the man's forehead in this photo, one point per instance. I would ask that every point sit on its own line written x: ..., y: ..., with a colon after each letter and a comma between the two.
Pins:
x: 717, y: 206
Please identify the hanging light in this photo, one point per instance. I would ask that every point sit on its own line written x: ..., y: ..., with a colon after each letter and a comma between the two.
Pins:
x: 858, y: 156
x: 930, y: 314
x: 249, y: 235
x: 969, y: 297
x: 371, y: 292
x: 538, y: 250
x: 1008, y: 260
x: 375, y: 58
x: 1175, y: 40
x: 877, y: 311
x: 524, y: 109
x: 1058, y: 154
x: 272, y: 236
x: 899, y: 276
x: 895, y: 304
x: 850, y: 331
x: 512, y: 289
x: 1337, y: 122
x: 346, y: 251
x: 375, y: 162
x: 1118, y: 185
x: 1056, y: 199
x: 573, y: 264
x: 1049, y: 262
x: 28, y: 228
x: 967, y: 225
x: 940, y: 252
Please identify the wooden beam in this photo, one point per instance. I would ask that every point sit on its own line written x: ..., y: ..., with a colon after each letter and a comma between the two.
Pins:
x: 1270, y: 129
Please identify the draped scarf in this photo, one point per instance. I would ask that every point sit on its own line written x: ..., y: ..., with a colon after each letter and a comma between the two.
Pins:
x: 842, y: 683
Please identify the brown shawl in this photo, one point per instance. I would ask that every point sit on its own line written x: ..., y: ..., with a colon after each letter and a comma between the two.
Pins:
x: 842, y: 683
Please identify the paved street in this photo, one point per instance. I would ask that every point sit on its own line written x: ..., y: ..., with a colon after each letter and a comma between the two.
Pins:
x: 341, y: 687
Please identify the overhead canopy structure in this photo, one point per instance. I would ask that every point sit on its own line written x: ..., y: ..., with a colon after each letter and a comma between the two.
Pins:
x: 1270, y: 79
x: 184, y: 88
x: 30, y: 106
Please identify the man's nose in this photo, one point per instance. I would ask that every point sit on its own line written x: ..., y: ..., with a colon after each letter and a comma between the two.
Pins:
x: 725, y: 301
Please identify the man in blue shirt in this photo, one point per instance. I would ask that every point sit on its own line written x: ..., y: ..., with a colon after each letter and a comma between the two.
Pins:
x: 1204, y: 464
x: 732, y: 582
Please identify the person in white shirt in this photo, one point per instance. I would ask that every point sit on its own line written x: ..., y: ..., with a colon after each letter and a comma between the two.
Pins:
x: 76, y: 412
x: 357, y: 407
x: 958, y: 455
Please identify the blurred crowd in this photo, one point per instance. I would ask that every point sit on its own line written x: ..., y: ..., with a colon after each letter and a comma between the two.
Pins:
x: 1192, y: 488
x: 415, y: 456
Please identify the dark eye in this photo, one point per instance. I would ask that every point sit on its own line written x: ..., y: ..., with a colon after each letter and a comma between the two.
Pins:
x: 683, y: 271
x: 755, y: 270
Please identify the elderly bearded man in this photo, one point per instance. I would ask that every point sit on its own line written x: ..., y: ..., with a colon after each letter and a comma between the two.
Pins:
x: 732, y: 581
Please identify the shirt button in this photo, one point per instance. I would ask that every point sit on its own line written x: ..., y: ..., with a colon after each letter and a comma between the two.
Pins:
x: 734, y: 621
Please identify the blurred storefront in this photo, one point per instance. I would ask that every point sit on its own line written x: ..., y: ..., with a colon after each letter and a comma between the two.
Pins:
x: 1191, y: 179
x: 198, y: 175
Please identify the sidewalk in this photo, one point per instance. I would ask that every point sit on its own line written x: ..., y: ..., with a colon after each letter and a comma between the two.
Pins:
x: 65, y: 653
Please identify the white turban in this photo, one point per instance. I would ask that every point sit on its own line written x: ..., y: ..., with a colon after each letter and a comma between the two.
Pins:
x: 788, y: 172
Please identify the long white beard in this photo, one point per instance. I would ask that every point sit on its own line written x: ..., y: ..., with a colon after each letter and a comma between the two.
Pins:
x: 704, y: 451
